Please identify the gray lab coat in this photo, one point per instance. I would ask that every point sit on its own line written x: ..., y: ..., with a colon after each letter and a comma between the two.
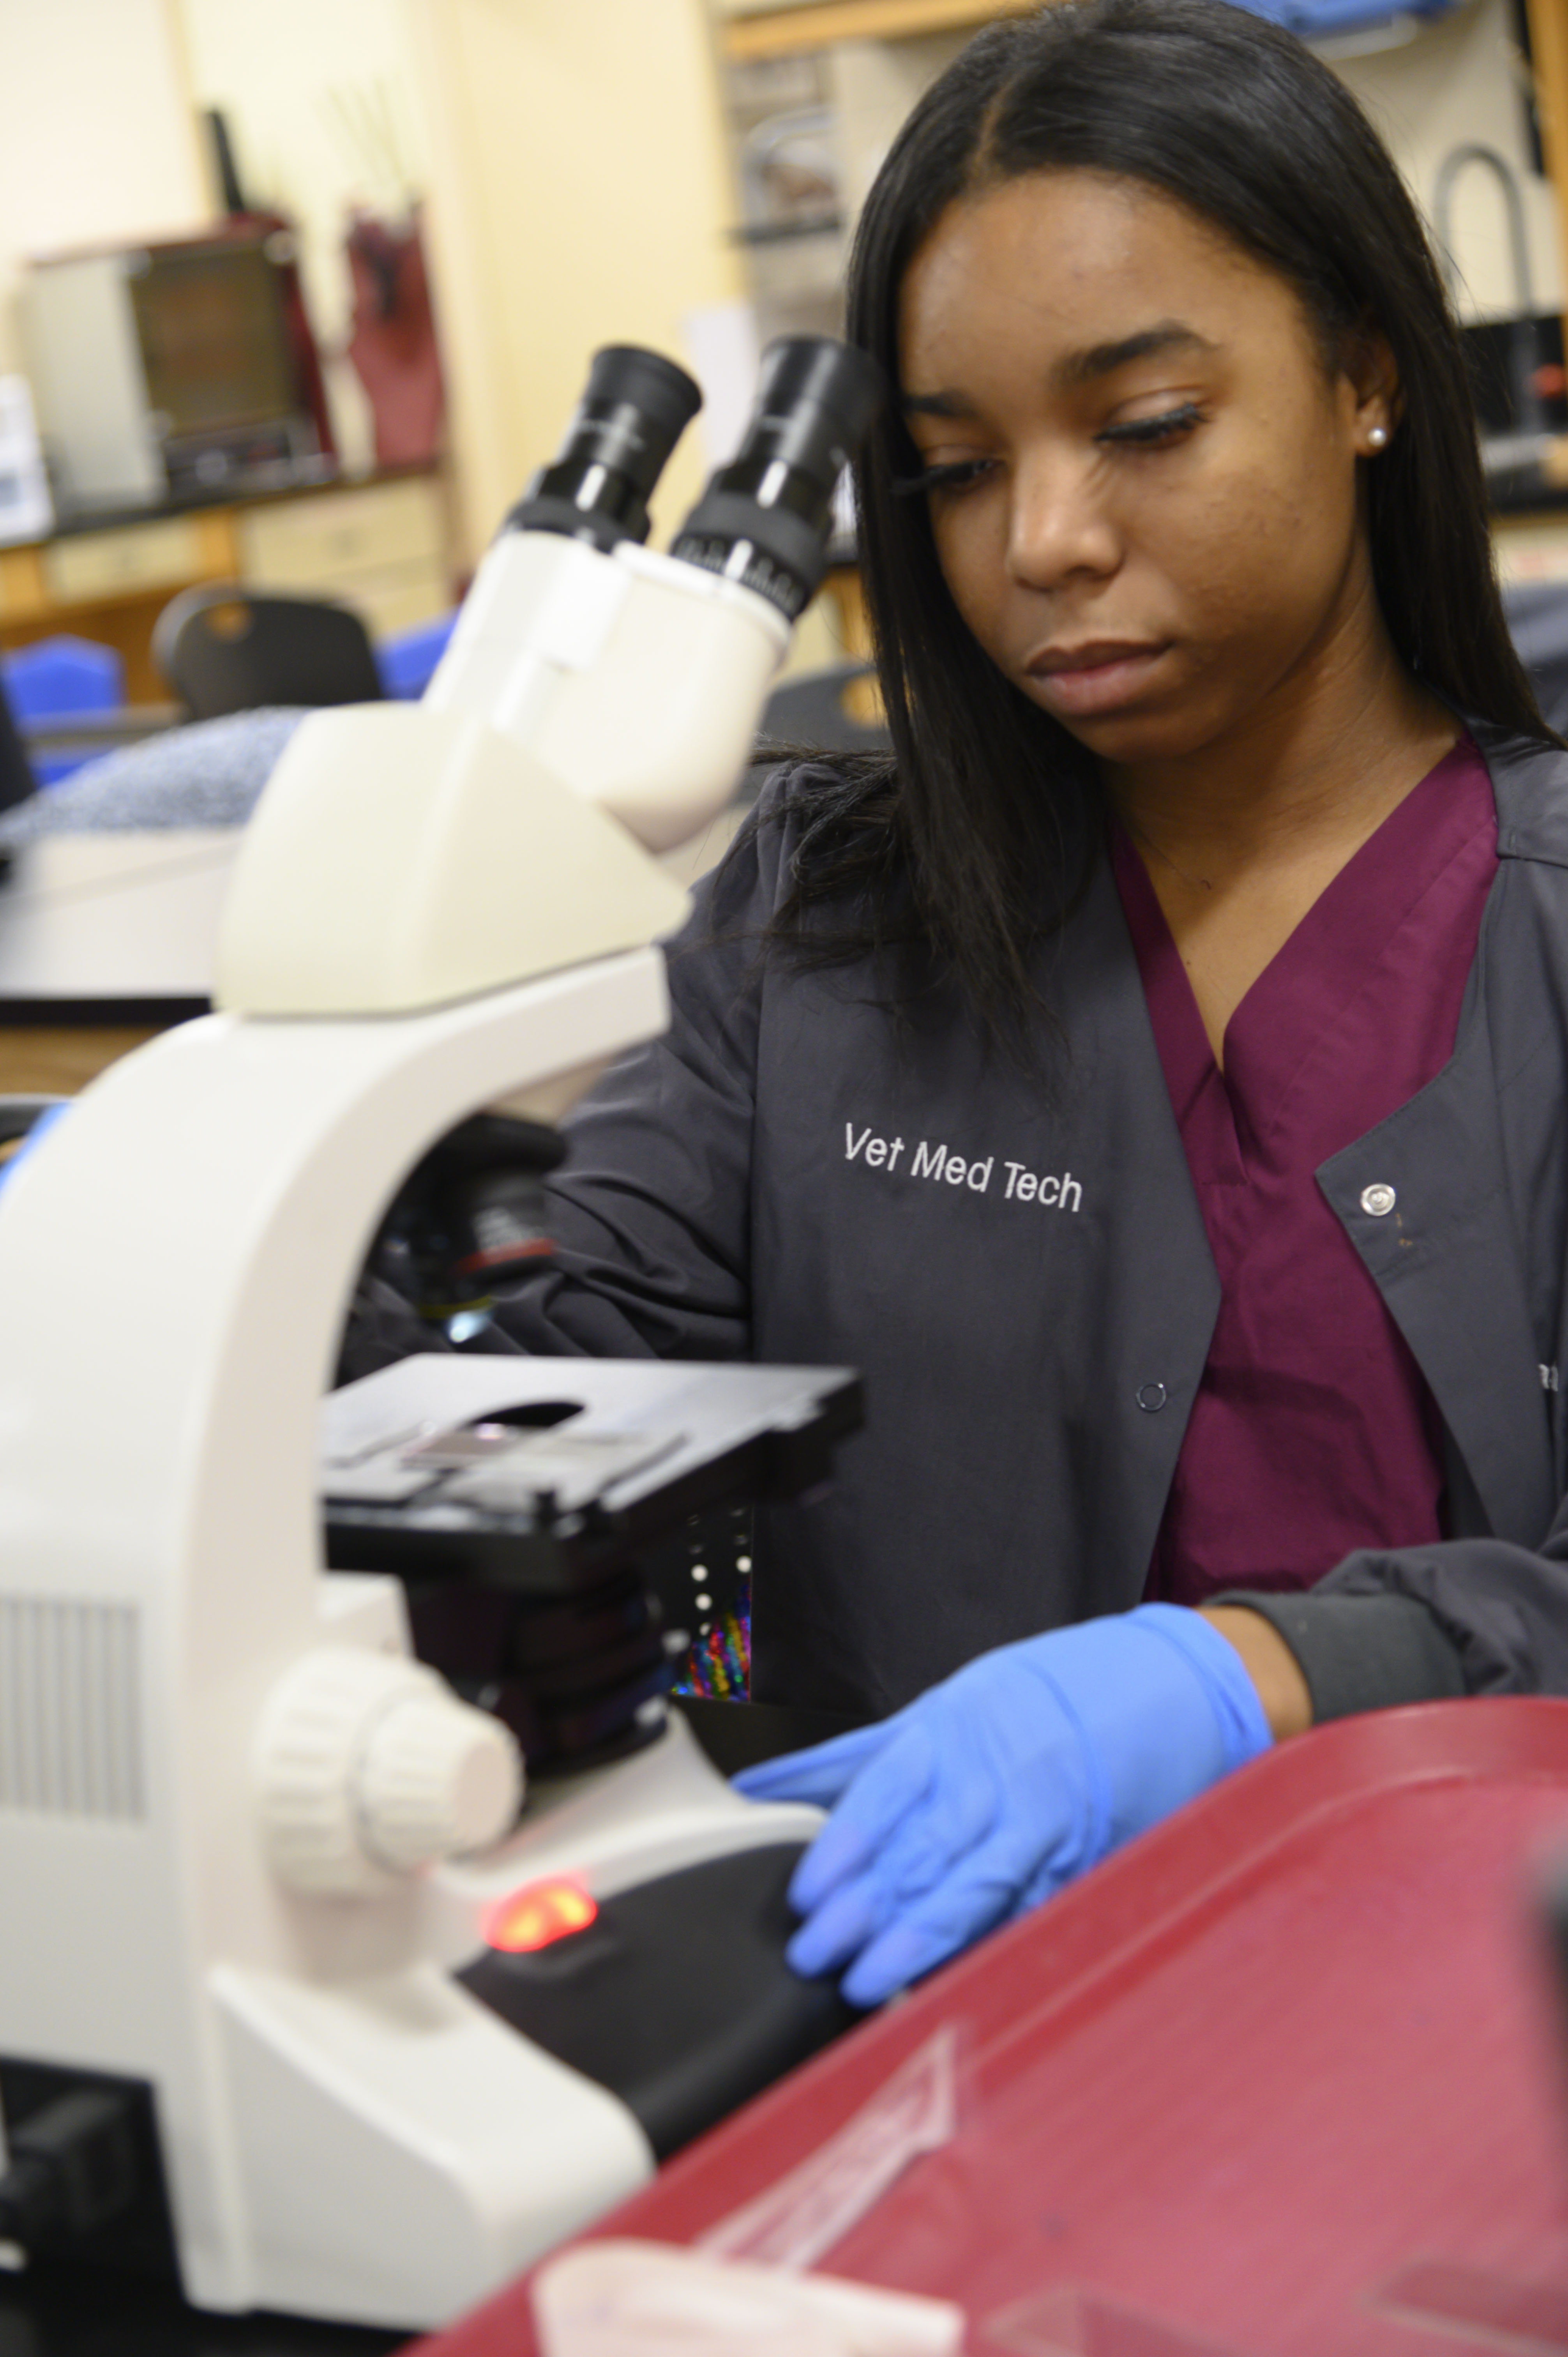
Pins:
x: 1022, y: 1273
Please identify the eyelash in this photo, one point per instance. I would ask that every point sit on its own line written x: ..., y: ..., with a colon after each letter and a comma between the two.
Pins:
x: 1140, y: 432
x: 1148, y: 431
x: 955, y: 477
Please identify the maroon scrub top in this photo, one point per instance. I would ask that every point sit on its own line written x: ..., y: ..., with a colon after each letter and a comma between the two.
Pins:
x: 1313, y: 1432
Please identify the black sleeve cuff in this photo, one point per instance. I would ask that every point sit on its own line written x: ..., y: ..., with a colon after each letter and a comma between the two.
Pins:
x: 1361, y: 1653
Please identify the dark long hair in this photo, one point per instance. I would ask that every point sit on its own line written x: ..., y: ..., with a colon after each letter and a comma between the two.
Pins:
x: 970, y: 843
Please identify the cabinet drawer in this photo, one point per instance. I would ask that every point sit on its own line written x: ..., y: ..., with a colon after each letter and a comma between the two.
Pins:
x: 93, y: 565
x: 312, y: 544
x: 398, y: 598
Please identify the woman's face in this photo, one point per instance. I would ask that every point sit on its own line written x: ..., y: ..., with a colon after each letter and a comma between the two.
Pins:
x: 1142, y: 478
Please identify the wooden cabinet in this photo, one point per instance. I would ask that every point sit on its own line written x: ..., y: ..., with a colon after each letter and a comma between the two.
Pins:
x: 380, y: 548
x: 95, y: 565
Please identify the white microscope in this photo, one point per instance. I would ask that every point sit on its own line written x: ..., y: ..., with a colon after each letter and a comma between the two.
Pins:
x: 292, y: 1997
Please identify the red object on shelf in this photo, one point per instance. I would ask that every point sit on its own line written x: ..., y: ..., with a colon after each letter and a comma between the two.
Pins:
x: 1283, y: 2079
x: 393, y: 347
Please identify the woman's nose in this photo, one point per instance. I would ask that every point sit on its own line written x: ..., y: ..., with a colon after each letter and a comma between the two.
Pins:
x: 1058, y: 523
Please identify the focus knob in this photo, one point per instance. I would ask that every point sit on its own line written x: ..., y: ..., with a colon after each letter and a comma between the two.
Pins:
x: 368, y: 1766
x: 437, y: 1778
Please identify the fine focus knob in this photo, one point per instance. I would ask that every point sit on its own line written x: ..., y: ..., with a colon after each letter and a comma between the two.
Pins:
x: 367, y: 1766
x: 437, y: 1778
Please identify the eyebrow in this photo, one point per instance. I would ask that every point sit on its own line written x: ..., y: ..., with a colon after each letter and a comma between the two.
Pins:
x: 934, y: 404
x: 1104, y: 359
x: 1078, y: 368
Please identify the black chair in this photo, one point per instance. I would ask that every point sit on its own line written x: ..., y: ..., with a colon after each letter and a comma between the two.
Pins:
x: 1537, y: 615
x: 222, y: 650
x: 809, y: 715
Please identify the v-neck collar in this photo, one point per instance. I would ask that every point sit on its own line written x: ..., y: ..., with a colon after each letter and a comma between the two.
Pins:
x: 1338, y: 951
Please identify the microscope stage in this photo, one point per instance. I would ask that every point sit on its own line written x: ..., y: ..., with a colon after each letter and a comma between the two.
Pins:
x: 538, y: 1474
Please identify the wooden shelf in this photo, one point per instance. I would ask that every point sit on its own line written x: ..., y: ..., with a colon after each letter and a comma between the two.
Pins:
x: 786, y: 32
x: 43, y: 1060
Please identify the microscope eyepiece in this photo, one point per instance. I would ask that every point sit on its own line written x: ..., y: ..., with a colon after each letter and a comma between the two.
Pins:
x: 634, y: 412
x: 764, y: 520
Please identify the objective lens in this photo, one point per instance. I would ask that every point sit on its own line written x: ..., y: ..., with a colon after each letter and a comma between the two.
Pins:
x: 764, y: 520
x: 636, y: 407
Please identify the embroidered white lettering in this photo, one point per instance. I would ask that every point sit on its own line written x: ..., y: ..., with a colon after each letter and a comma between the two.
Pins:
x: 928, y: 1161
x: 1063, y: 1194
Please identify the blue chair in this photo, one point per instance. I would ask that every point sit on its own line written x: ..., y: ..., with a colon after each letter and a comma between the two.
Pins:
x: 407, y: 661
x: 53, y: 680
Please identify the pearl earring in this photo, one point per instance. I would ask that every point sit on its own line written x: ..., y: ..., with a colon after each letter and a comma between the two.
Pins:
x: 1378, y: 435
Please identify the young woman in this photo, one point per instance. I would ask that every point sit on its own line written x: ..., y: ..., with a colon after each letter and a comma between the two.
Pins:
x: 1153, y: 1076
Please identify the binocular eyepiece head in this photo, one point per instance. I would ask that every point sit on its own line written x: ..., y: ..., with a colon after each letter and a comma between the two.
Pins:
x: 765, y: 519
x: 636, y: 408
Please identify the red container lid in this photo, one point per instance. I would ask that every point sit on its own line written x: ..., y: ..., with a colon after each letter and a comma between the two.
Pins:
x: 1283, y: 2079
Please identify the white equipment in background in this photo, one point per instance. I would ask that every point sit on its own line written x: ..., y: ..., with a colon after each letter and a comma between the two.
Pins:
x: 229, y: 1797
x: 26, y: 510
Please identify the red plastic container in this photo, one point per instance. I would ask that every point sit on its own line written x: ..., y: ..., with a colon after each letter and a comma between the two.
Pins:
x: 1283, y: 2079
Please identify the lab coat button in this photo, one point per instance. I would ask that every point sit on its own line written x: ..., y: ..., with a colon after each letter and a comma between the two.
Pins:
x: 1378, y: 1200
x: 1151, y: 1397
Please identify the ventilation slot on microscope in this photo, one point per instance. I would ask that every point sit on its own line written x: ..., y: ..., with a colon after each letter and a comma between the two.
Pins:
x: 70, y: 1720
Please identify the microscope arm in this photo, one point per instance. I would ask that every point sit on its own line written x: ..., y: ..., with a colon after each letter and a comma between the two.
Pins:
x: 222, y: 1780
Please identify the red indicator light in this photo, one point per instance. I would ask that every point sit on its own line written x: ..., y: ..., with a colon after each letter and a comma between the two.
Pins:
x: 537, y: 1914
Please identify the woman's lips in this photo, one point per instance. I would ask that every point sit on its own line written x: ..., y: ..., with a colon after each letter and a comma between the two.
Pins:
x: 1081, y: 681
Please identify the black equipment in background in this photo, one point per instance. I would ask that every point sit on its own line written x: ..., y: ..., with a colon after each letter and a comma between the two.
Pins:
x: 469, y: 1221
x: 1537, y: 615
x: 16, y: 779
x: 1516, y: 364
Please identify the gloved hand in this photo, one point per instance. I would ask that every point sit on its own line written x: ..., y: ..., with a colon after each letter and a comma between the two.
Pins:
x: 1001, y: 1784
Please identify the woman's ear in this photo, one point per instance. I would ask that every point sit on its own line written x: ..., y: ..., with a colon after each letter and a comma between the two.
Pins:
x: 1376, y: 403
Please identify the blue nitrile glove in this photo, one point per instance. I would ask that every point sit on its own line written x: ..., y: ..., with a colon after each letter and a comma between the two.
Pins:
x: 999, y: 1785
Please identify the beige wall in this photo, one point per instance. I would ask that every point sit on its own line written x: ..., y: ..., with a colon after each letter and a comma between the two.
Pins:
x: 572, y: 160
x: 579, y: 197
x: 97, y: 141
